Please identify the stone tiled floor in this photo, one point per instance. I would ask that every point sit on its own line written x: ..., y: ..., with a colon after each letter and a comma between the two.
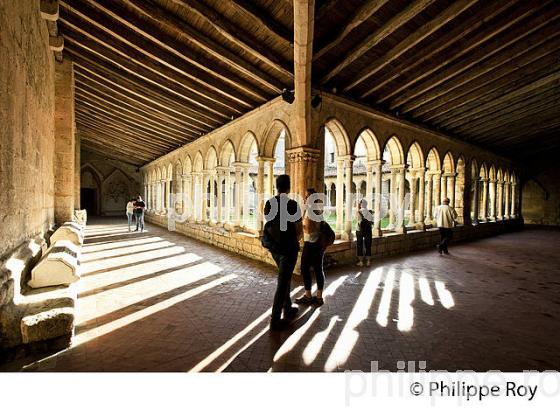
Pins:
x: 159, y: 301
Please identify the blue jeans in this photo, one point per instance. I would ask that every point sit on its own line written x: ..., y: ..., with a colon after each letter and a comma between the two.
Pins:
x: 282, y: 301
x: 139, y: 220
x: 129, y: 216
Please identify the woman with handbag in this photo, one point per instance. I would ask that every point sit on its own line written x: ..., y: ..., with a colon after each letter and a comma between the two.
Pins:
x: 313, y: 251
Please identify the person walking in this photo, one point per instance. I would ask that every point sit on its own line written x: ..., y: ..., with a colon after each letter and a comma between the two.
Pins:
x: 445, y: 221
x: 130, y: 212
x: 139, y: 206
x: 281, y: 235
x: 364, y: 233
x: 313, y: 252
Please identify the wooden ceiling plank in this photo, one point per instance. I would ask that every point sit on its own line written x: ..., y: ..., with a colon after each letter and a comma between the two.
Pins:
x: 520, y: 70
x: 152, y: 111
x: 376, y: 37
x: 450, y: 13
x: 131, y: 68
x: 484, y: 58
x: 128, y: 85
x: 205, y: 44
x: 447, y: 40
x: 132, y: 56
x: 550, y: 80
x: 119, y: 157
x: 119, y: 143
x: 236, y: 36
x: 90, y: 141
x: 249, y: 9
x: 121, y: 108
x: 125, y: 132
x: 368, y: 9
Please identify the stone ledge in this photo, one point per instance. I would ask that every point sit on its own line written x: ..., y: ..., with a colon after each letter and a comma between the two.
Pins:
x: 48, y: 324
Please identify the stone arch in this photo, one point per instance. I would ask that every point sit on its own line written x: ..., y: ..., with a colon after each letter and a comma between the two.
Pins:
x: 211, y: 159
x: 170, y: 172
x: 340, y: 137
x: 492, y: 172
x: 448, y: 163
x: 93, y: 208
x: 272, y: 135
x: 198, y: 165
x: 433, y: 161
x: 483, y: 171
x: 393, y: 151
x: 371, y: 144
x: 415, y: 156
x: 187, y: 165
x: 246, y: 145
x: 226, y: 152
x: 460, y: 189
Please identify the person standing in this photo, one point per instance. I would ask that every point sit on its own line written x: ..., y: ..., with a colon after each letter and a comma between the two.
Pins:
x: 281, y: 236
x: 313, y: 253
x: 130, y: 212
x: 445, y: 220
x: 364, y: 234
x: 139, y: 206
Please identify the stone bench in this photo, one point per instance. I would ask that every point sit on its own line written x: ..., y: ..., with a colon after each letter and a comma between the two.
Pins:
x: 59, y: 266
x: 70, y: 231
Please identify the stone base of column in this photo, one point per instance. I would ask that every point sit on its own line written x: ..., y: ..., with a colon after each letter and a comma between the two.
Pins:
x: 377, y: 232
x: 401, y: 229
x: 347, y: 236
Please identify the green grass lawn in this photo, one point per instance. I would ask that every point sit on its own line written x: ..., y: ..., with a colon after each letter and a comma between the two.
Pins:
x: 331, y: 219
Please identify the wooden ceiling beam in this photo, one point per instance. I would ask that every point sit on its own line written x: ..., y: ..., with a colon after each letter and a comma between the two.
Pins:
x: 103, y: 124
x: 550, y: 80
x: 324, y: 9
x: 262, y: 19
x: 450, y: 13
x: 236, y: 36
x: 376, y: 37
x: 209, y: 47
x: 509, y: 110
x: 92, y: 142
x: 430, y: 52
x: 118, y: 107
x: 139, y: 127
x: 134, y: 59
x: 367, y: 9
x: 117, y: 141
x: 119, y: 157
x: 521, y: 70
x: 134, y: 71
x: 152, y: 111
x: 499, y: 51
x: 124, y: 83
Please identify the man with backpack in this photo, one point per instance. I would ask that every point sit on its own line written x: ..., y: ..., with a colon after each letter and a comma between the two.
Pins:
x: 281, y: 236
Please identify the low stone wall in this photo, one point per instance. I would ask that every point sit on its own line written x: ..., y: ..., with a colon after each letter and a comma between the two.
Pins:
x: 342, y: 252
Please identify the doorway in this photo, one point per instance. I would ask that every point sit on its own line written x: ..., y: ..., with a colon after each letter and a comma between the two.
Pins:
x: 88, y: 200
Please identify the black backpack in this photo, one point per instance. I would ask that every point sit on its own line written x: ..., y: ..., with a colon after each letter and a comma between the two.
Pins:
x: 326, y: 236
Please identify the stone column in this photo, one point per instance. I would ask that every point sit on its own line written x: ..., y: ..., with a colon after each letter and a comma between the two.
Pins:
x: 436, y: 194
x: 228, y: 204
x: 443, y: 187
x: 245, y: 194
x: 349, y: 205
x: 339, y: 195
x: 513, y: 211
x: 393, y: 198
x: 451, y: 189
x: 212, y: 180
x: 369, y: 184
x: 484, y: 210
x: 238, y: 195
x: 270, y: 180
x: 430, y: 198
x: 493, y: 199
x: 78, y: 172
x: 377, y: 165
x: 204, y: 196
x: 400, y: 227
x: 65, y: 142
x: 412, y: 209
x: 507, y: 186
x: 421, y: 198
x: 260, y: 193
x: 476, y: 193
x: 499, y: 200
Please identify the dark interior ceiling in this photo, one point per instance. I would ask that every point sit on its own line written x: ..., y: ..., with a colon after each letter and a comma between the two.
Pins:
x: 152, y: 75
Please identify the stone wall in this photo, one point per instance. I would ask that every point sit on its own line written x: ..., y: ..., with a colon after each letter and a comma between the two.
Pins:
x: 115, y: 182
x: 541, y: 197
x: 27, y: 125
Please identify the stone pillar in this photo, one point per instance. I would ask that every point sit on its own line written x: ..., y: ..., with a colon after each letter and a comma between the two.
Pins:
x: 339, y: 195
x: 369, y: 184
x: 227, y: 203
x: 238, y: 195
x: 507, y: 186
x: 513, y: 211
x: 451, y: 189
x: 245, y: 194
x: 303, y: 165
x: 204, y: 195
x: 430, y: 198
x: 436, y: 194
x: 212, y: 180
x: 77, y: 172
x: 377, y: 165
x: 499, y: 200
x: 260, y: 193
x: 413, y: 194
x: 270, y: 180
x: 421, y: 198
x: 393, y: 198
x: 493, y: 199
x: 443, y: 187
x: 349, y: 205
x: 220, y: 195
x: 400, y: 226
x: 65, y: 142
x: 476, y: 193
x: 484, y: 210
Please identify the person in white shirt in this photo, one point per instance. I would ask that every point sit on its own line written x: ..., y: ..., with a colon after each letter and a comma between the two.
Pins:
x: 130, y: 212
x: 445, y: 220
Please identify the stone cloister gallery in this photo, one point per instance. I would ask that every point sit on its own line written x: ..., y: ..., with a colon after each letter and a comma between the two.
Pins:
x: 198, y: 105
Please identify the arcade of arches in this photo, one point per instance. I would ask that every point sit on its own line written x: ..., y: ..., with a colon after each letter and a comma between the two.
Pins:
x: 198, y: 106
